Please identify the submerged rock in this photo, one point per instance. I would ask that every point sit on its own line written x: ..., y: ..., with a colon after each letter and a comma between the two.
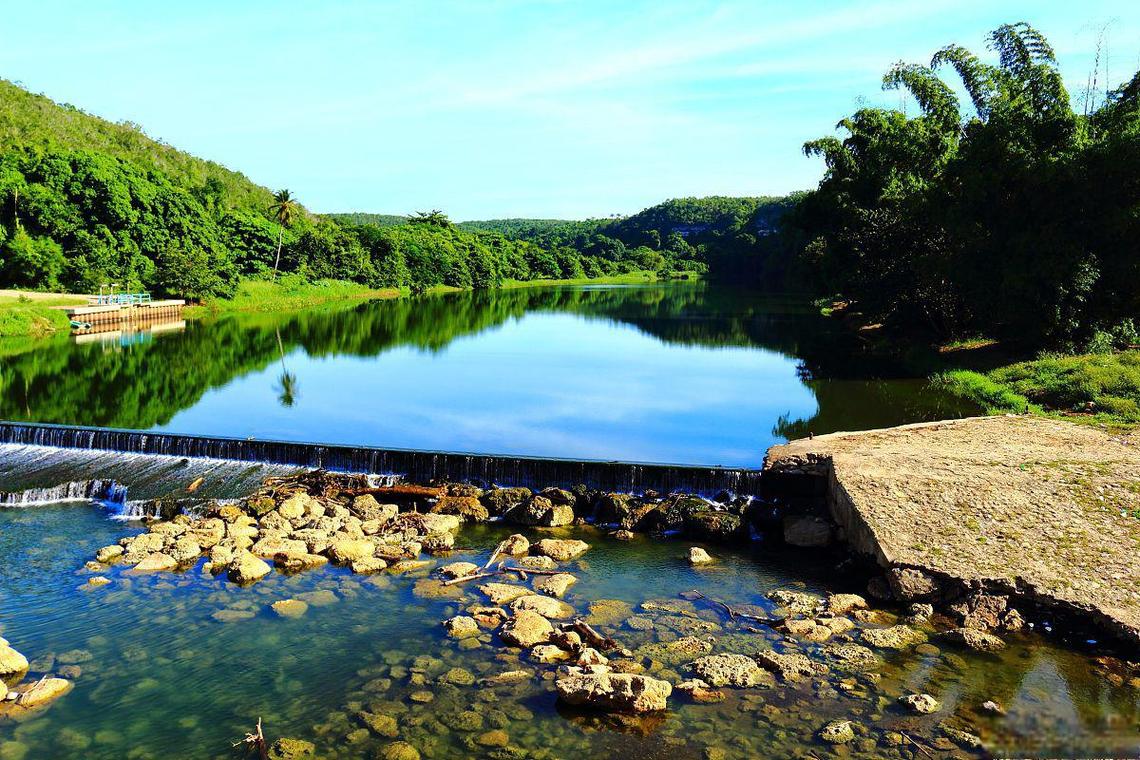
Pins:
x: 503, y: 593
x: 43, y: 691
x: 971, y: 638
x: 459, y: 569
x: 736, y: 670
x: 291, y: 749
x: 461, y: 627
x: 614, y: 692
x: 515, y: 545
x: 920, y: 704
x: 535, y: 563
x: 555, y: 585
x: 399, y: 751
x: 156, y: 562
x: 289, y: 608
x: 544, y: 605
x: 790, y: 667
x: 837, y: 732
x: 895, y: 637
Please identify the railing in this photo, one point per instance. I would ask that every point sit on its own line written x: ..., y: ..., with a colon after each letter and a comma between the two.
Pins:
x: 121, y: 299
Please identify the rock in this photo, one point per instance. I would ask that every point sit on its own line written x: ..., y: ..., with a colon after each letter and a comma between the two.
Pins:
x: 730, y: 670
x: 790, y: 667
x: 530, y: 512
x: 961, y: 738
x: 291, y: 749
x: 614, y: 692
x: 557, y: 516
x: 909, y: 584
x: 807, y: 531
x: 98, y: 580
x: 440, y: 523
x: 698, y: 556
x: 109, y: 554
x: 796, y: 602
x: 920, y: 704
x: 321, y: 598
x: 623, y: 535
x: 296, y: 562
x: 156, y: 562
x: 837, y: 732
x: 499, y: 500
x: 1012, y: 621
x: 700, y: 692
x: 274, y: 544
x: 467, y: 507
x: 346, y: 550
x: 850, y: 657
x: 841, y: 604
x: 971, y: 638
x: 919, y: 613
x: 11, y: 662
x: 233, y: 616
x: 671, y: 514
x: 715, y: 525
x: 515, y: 545
x: 461, y: 627
x: 676, y: 652
x: 503, y: 593
x: 548, y: 654
x: 549, y: 608
x: 185, y: 550
x: 458, y: 677
x: 608, y: 612
x: 526, y: 629
x: 246, y: 568
x: 611, y: 508
x: 494, y: 738
x: 554, y: 585
x: 290, y: 608
x: 74, y: 656
x: 43, y: 691
x: 437, y: 543
x: 981, y: 611
x: 562, y: 550
x: 895, y: 637
x: 459, y: 569
x: 399, y: 751
x: 367, y: 565
x: 992, y: 707
x: 294, y: 506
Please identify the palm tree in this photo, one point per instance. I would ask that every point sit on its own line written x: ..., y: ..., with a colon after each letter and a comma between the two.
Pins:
x: 284, y: 208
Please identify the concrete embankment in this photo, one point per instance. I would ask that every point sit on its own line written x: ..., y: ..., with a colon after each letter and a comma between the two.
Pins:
x: 1040, y: 512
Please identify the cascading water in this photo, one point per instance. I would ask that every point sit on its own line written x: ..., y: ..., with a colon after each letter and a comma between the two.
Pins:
x: 422, y: 466
x: 107, y: 491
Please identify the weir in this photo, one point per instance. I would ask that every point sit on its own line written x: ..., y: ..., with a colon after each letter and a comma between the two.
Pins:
x: 419, y: 466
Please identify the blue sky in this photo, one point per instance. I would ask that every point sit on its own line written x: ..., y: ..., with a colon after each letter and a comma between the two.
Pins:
x: 544, y: 109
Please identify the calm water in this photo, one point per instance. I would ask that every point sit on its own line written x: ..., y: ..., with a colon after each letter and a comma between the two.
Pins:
x: 684, y: 373
x: 161, y: 678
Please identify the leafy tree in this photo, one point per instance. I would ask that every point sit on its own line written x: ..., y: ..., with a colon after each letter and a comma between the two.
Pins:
x: 284, y: 208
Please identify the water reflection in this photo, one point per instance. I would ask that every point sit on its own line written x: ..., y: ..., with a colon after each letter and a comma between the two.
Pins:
x: 680, y: 373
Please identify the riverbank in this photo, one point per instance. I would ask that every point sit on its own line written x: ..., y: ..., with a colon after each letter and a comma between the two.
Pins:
x: 986, y: 514
x: 29, y: 314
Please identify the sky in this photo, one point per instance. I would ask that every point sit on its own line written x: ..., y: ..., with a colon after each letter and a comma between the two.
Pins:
x: 497, y: 108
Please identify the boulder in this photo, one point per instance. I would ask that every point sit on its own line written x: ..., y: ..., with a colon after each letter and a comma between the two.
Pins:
x: 796, y: 602
x: 671, y: 514
x: 837, y: 732
x: 11, y: 662
x: 698, y: 556
x: 894, y: 637
x: 109, y: 554
x: 981, y: 611
x: 156, y: 562
x: 294, y: 506
x: 459, y: 569
x: 440, y: 523
x: 526, y: 629
x: 399, y: 751
x: 557, y: 516
x: 246, y: 568
x: 530, y: 512
x: 515, y: 545
x: 554, y: 585
x: 562, y: 550
x: 546, y: 606
x: 614, y: 692
x: 548, y: 654
x: 850, y: 657
x: 275, y: 544
x: 791, y: 666
x: 920, y: 704
x: 467, y: 507
x: 345, y: 550
x: 535, y: 563
x: 367, y: 565
x: 437, y: 543
x: 291, y: 749
x: 715, y: 525
x: 736, y: 670
x: 807, y: 531
x: 841, y: 604
x: 611, y: 508
x: 909, y: 584
x: 461, y: 627
x: 43, y: 691
x: 500, y: 500
x: 971, y: 638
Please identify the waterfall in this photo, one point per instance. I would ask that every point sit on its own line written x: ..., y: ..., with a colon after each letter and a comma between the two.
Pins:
x: 420, y: 466
x: 109, y: 492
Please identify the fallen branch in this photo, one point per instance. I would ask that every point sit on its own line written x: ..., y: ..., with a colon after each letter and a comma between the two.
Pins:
x: 473, y: 577
x: 733, y: 614
x: 433, y: 492
x: 921, y: 748
x: 591, y: 636
x: 255, y: 741
x: 495, y: 553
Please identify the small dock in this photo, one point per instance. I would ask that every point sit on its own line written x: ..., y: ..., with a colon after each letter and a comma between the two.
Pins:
x: 103, y: 313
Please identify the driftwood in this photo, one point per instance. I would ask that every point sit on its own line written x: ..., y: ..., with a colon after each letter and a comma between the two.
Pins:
x: 473, y: 577
x: 255, y: 741
x: 590, y: 635
x: 502, y: 569
x: 195, y: 485
x: 733, y: 614
x: 921, y: 748
x: 495, y: 553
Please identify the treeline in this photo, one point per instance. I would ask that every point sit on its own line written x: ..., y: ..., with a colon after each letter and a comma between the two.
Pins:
x: 728, y: 237
x: 85, y: 202
x: 1015, y: 215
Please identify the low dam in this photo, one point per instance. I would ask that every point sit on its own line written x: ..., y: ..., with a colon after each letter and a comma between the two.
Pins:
x: 420, y: 466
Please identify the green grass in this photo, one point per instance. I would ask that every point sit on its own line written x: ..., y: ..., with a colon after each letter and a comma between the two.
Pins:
x: 29, y: 319
x: 289, y: 293
x: 631, y: 278
x: 1099, y: 387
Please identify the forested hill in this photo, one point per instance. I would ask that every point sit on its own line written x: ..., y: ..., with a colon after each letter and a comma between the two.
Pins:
x: 31, y: 120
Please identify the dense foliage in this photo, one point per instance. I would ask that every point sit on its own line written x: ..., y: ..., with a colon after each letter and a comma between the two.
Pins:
x: 1016, y: 216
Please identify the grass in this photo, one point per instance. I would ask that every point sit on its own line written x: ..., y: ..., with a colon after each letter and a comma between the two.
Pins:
x: 1097, y: 387
x: 289, y: 293
x: 22, y: 317
x: 632, y: 278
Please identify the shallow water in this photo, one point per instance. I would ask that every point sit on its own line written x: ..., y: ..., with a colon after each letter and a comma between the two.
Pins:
x: 161, y: 678
x: 678, y: 373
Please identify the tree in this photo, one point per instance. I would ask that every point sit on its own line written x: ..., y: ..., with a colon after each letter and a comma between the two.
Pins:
x: 284, y: 208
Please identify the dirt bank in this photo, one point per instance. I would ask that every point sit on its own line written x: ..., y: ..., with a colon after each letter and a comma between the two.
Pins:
x: 1041, y: 509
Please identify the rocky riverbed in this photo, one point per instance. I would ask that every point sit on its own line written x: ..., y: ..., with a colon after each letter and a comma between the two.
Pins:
x: 683, y: 655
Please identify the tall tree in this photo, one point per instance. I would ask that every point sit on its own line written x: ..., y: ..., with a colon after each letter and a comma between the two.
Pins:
x: 284, y: 209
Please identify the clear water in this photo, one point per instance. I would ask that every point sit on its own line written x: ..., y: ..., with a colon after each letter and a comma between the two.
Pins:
x: 162, y: 679
x: 680, y: 373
